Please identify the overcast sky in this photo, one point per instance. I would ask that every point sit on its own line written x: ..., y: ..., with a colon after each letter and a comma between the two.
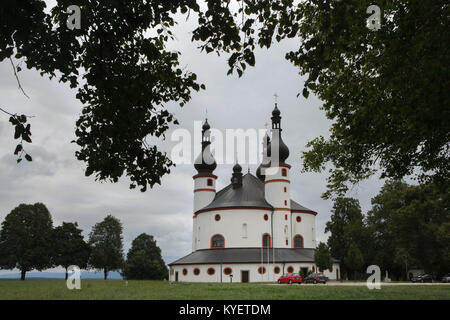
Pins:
x: 56, y: 178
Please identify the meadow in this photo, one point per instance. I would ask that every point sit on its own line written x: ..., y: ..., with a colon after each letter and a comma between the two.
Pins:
x: 163, y: 290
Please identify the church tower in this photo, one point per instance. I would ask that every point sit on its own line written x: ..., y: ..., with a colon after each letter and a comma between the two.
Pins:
x: 277, y: 184
x: 204, y: 180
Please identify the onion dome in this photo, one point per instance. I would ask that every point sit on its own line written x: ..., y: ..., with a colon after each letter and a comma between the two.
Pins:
x: 206, y: 125
x: 205, y: 162
x: 236, y: 178
x: 283, y: 150
x: 276, y: 112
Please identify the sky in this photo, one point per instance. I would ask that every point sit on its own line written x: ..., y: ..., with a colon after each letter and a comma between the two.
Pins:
x: 57, y: 179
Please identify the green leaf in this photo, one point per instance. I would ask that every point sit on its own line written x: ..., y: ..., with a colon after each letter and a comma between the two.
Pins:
x: 305, y: 93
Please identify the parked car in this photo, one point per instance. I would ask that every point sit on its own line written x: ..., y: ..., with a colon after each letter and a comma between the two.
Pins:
x: 316, y: 278
x: 422, y: 278
x: 290, y: 278
x: 446, y: 278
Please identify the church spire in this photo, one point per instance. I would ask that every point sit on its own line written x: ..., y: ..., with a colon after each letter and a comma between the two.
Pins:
x: 283, y: 150
x: 205, y: 162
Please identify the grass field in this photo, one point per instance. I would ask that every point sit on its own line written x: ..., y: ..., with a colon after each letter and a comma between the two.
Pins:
x: 99, y: 289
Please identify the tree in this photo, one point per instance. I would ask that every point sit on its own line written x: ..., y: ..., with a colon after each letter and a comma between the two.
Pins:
x: 69, y: 246
x: 106, y: 245
x: 354, y: 259
x: 346, y: 227
x: 385, y: 90
x: 322, y: 257
x: 144, y: 261
x: 25, y: 239
x: 123, y: 75
x: 408, y: 224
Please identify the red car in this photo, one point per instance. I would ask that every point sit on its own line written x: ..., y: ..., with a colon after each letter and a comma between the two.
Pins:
x: 290, y: 278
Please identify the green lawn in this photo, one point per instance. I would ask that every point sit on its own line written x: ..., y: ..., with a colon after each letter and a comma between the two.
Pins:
x: 99, y: 289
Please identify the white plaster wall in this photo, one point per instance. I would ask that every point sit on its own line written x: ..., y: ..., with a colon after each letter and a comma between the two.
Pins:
x: 279, y: 199
x: 274, y: 191
x: 254, y: 276
x: 282, y: 229
x: 306, y: 228
x: 203, y: 198
x: 230, y: 227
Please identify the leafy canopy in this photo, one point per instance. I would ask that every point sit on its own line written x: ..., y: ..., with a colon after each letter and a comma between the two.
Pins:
x: 106, y: 244
x: 69, y: 246
x: 386, y: 91
x: 25, y: 238
x: 144, y: 260
x: 322, y: 257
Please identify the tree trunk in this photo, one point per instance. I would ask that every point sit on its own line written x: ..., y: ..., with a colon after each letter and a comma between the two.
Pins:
x: 67, y: 274
x: 106, y: 273
x: 22, y: 274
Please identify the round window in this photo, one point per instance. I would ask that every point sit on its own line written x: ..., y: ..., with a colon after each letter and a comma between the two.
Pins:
x: 276, y: 270
x: 298, y: 218
x: 196, y: 271
x: 227, y: 271
x: 290, y: 269
x: 217, y: 217
x: 211, y: 271
x: 184, y: 271
x: 266, y: 217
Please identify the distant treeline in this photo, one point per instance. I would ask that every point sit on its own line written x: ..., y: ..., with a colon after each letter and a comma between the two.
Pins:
x: 29, y: 241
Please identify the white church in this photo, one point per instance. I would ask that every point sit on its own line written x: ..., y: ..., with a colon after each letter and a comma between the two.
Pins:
x: 251, y: 230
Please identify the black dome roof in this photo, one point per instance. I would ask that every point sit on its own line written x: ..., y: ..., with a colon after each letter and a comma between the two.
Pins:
x: 276, y: 112
x: 283, y: 150
x: 237, y: 168
x: 206, y: 125
x: 205, y: 162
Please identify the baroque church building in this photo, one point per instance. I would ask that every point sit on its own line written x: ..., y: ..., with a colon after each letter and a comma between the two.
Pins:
x: 251, y: 230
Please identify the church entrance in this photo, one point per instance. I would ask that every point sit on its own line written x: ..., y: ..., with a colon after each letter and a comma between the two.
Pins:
x: 244, y: 275
x: 304, y: 271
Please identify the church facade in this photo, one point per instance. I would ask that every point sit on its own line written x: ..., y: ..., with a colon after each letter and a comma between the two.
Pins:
x: 251, y: 230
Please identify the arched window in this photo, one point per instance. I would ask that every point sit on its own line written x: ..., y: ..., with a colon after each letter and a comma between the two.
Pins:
x: 244, y: 230
x: 227, y: 271
x: 217, y: 241
x: 298, y: 241
x: 196, y: 271
x: 284, y: 172
x: 266, y: 241
x: 209, y: 182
